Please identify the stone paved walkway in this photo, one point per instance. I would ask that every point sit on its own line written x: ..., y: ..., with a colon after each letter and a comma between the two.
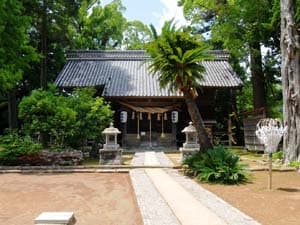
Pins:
x: 151, y: 158
x: 167, y: 198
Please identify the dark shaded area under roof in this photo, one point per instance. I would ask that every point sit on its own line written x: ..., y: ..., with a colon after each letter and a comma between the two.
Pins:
x: 125, y: 73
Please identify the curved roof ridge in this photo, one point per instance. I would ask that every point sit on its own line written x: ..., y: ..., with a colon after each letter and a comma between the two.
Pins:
x: 126, y: 54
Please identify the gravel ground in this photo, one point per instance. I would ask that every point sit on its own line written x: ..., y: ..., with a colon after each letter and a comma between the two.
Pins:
x: 94, y: 198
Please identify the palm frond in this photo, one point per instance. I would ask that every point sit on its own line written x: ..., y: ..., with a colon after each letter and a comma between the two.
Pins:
x: 176, y: 57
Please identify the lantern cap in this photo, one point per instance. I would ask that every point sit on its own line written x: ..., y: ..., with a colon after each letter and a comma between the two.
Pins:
x: 111, y: 130
x: 189, y: 129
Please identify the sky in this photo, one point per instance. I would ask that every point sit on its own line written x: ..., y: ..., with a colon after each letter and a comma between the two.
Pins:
x: 154, y: 12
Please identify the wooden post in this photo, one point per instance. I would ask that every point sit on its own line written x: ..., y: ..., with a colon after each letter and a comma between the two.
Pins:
x: 174, y: 133
x: 229, y: 130
x: 270, y: 171
x: 150, y: 133
x: 162, y: 128
x: 124, y: 134
x: 12, y: 109
x: 138, y: 127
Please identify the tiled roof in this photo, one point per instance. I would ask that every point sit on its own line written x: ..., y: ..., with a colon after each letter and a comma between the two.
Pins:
x: 125, y: 73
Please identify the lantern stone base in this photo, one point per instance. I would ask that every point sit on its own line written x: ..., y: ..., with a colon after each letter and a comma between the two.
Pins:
x: 188, y: 146
x: 110, y: 156
x: 186, y: 152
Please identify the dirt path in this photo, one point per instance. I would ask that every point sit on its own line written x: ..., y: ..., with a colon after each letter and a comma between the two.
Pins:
x: 279, y: 206
x: 94, y: 198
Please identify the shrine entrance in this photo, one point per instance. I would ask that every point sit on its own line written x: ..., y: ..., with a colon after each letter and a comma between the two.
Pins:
x: 150, y: 127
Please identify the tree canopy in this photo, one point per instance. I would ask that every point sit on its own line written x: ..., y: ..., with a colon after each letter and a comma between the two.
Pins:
x: 136, y: 35
x: 16, y: 53
x: 242, y: 27
x: 98, y: 27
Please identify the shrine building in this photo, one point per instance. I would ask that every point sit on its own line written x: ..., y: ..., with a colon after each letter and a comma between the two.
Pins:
x: 146, y: 114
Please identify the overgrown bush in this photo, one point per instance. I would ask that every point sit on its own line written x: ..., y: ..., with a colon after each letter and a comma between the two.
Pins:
x: 68, y: 120
x: 13, y: 147
x: 217, y: 165
x: 46, y: 113
x: 16, y: 150
x: 278, y: 155
x: 295, y: 164
x: 93, y: 115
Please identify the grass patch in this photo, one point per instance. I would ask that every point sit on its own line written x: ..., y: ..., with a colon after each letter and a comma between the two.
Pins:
x: 248, y: 154
x: 126, y: 160
x: 90, y: 162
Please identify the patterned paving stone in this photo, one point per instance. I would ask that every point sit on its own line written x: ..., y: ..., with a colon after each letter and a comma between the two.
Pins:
x: 138, y: 159
x: 151, y: 159
x: 153, y: 207
x: 228, y: 213
x: 163, y: 159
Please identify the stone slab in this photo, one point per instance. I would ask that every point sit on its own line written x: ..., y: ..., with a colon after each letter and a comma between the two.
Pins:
x: 151, y: 159
x: 187, y: 209
x: 154, y: 209
x: 224, y: 210
x: 65, y: 218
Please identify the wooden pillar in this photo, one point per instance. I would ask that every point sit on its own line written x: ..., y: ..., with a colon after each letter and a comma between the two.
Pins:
x: 174, y: 133
x: 229, y: 130
x: 162, y: 128
x: 229, y: 122
x: 138, y: 126
x: 12, y: 109
x: 150, y: 132
x: 124, y: 134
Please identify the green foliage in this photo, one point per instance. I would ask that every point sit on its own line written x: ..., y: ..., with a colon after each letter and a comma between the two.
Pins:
x: 136, y: 35
x: 49, y: 21
x: 102, y: 29
x: 175, y: 61
x: 67, y: 119
x: 13, y: 146
x: 277, y: 155
x: 295, y: 164
x: 93, y: 116
x: 47, y: 112
x: 15, y: 51
x: 217, y: 165
x: 244, y: 98
x: 176, y: 54
x: 237, y: 26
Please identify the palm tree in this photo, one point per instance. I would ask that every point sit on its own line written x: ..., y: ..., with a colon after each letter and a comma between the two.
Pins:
x: 175, y: 57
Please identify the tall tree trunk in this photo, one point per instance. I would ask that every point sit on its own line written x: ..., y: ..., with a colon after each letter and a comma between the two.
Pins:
x: 290, y: 72
x: 43, y: 34
x: 12, y: 109
x: 197, y: 120
x: 257, y: 76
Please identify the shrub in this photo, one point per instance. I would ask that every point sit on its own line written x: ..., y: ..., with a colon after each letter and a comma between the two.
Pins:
x: 46, y: 113
x: 278, y: 155
x: 217, y: 165
x: 295, y: 164
x: 93, y: 116
x: 68, y: 120
x: 14, y: 146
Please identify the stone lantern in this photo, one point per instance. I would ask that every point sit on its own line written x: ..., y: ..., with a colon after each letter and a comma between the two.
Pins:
x: 111, y: 152
x: 191, y: 141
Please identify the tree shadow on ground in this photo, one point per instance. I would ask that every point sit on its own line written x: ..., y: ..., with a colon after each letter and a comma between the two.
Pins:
x: 289, y: 189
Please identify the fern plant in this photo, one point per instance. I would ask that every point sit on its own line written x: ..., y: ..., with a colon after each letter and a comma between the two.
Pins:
x: 217, y: 165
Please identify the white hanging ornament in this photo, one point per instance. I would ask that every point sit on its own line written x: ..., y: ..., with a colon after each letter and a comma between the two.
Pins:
x: 158, y: 116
